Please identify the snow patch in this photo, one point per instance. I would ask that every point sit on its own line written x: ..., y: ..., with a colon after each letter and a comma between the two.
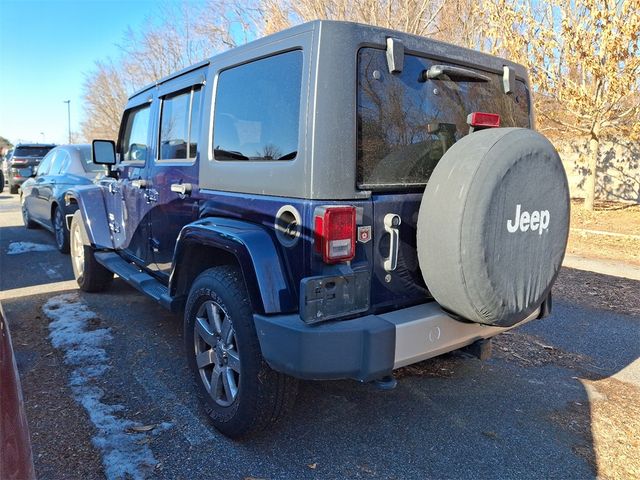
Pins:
x: 123, y: 455
x: 16, y: 248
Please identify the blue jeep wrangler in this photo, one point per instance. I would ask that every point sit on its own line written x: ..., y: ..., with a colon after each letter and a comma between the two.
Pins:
x: 333, y: 201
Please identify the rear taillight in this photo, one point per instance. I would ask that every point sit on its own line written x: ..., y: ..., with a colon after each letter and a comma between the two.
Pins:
x: 480, y: 120
x: 335, y: 233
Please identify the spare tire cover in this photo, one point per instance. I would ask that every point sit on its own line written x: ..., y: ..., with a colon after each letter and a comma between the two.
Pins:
x: 493, y: 225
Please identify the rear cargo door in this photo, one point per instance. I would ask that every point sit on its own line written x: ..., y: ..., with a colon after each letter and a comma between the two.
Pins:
x: 406, y: 122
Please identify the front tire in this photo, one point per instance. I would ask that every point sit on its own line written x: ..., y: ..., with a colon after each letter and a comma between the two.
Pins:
x: 60, y: 230
x: 242, y: 394
x: 90, y: 275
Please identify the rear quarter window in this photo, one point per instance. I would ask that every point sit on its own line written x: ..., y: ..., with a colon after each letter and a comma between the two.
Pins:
x: 257, y: 109
x: 405, y: 126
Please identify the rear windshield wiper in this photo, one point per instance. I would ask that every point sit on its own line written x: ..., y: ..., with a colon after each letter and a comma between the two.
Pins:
x: 455, y: 74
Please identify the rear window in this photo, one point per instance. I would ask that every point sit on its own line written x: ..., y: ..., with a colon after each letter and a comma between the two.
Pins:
x: 84, y: 151
x: 405, y: 125
x: 31, y: 151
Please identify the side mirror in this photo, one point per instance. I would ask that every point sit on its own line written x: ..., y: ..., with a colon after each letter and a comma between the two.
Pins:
x: 103, y: 152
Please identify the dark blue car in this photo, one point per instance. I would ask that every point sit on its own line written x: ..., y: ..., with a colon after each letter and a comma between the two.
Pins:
x: 42, y: 196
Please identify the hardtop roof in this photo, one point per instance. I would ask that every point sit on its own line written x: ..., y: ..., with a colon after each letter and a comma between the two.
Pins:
x: 480, y: 57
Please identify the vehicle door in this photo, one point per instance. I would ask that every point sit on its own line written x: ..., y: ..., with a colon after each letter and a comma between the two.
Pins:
x: 173, y: 177
x: 126, y: 198
x: 37, y: 198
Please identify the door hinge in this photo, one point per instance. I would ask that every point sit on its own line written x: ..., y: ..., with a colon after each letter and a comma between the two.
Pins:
x: 155, y: 245
x: 151, y: 195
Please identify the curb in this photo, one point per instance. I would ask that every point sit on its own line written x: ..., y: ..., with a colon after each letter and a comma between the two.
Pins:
x: 585, y: 231
x: 607, y: 267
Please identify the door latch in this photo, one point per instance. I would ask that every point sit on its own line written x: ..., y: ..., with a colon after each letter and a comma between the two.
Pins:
x: 391, y: 223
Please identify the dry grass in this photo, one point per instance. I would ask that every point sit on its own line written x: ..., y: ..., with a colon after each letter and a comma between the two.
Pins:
x: 609, y: 217
x: 609, y: 426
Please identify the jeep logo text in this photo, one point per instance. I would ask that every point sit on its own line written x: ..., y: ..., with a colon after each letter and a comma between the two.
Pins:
x: 536, y: 220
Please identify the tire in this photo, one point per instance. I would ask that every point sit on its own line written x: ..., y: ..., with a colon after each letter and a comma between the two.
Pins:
x: 493, y: 225
x: 60, y: 230
x: 1, y: 182
x: 14, y: 188
x: 232, y: 353
x: 26, y: 218
x: 90, y: 275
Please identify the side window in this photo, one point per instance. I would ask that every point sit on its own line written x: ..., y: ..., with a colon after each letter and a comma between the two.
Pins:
x: 45, y: 164
x: 257, y: 109
x: 134, y: 140
x: 59, y: 163
x: 179, y: 125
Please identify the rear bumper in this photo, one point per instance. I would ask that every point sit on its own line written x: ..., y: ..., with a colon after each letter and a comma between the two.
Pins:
x: 16, y: 180
x: 364, y: 348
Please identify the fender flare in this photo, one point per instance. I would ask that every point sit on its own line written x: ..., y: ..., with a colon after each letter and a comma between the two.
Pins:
x: 256, y: 254
x: 90, y: 200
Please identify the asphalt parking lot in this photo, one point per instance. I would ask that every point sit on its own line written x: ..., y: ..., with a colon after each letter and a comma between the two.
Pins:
x: 560, y: 397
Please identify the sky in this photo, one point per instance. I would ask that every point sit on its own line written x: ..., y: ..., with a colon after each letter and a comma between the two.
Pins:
x: 46, y: 49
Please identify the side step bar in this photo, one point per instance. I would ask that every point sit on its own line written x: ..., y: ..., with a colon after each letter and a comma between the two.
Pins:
x: 140, y: 280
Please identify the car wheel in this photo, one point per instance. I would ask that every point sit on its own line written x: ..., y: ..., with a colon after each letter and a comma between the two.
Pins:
x: 14, y: 189
x: 60, y: 230
x: 1, y: 182
x: 242, y: 394
x: 26, y: 217
x: 90, y: 275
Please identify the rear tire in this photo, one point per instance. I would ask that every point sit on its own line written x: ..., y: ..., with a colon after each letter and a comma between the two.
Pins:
x: 60, y: 230
x: 26, y: 217
x: 242, y: 394
x: 13, y: 189
x: 90, y: 275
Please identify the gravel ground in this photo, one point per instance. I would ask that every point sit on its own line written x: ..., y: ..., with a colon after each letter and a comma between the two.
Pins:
x: 552, y: 402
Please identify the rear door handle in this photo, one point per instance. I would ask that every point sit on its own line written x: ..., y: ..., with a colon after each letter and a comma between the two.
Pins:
x: 182, y: 188
x: 391, y: 224
x: 140, y: 183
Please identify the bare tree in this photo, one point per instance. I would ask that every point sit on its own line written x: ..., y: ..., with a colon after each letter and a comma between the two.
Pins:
x: 412, y: 16
x: 584, y: 61
x: 170, y: 41
x: 105, y: 96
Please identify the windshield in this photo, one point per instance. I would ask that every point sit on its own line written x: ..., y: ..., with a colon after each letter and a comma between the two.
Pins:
x: 405, y: 125
x: 39, y: 151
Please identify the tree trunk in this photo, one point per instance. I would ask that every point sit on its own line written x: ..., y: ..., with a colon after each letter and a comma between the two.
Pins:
x: 592, y: 176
